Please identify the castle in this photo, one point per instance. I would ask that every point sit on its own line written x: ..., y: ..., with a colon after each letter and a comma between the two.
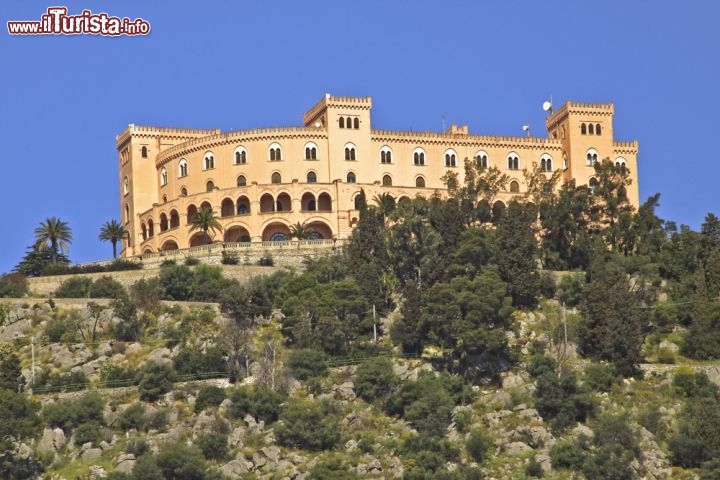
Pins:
x: 260, y: 182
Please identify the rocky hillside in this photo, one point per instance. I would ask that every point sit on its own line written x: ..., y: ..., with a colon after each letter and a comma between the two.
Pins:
x: 113, y: 409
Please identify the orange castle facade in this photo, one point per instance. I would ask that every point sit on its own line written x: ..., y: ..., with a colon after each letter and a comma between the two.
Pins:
x: 260, y: 182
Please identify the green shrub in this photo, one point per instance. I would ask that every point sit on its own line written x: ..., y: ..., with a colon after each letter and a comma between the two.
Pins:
x: 209, y: 396
x: 192, y: 261
x: 540, y: 365
x: 601, y: 377
x: 261, y: 403
x: 78, y: 287
x: 63, y: 328
x: 178, y: 461
x: 666, y: 356
x: 310, y: 425
x: 133, y: 417
x: 156, y: 379
x: 266, y: 260
x: 191, y: 360
x: 307, y: 363
x: 547, y: 285
x: 176, y: 281
x: 106, y: 287
x: 534, y: 469
x: 569, y: 289
x: 428, y: 455
x: 375, y: 380
x: 478, y: 445
x: 69, y: 414
x: 332, y: 469
x: 213, y: 446
x: 229, y: 258
x: 137, y: 446
x: 567, y: 454
x: 13, y: 285
x: 88, y: 432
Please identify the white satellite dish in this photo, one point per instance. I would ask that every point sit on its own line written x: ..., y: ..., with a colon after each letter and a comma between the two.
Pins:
x: 547, y: 106
x: 526, y: 128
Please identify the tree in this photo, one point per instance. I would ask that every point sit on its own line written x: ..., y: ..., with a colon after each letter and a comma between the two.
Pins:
x: 311, y: 425
x: 300, y: 231
x: 35, y: 261
x: 515, y: 255
x: 112, y: 231
x: 206, y: 221
x: 611, y: 324
x: 613, y: 204
x: 10, y: 375
x: 54, y: 235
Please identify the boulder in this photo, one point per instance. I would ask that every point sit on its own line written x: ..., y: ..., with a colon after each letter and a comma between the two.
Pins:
x: 97, y: 472
x: 53, y: 439
x: 235, y: 468
x: 346, y: 391
x: 91, y: 454
x: 125, y: 462
x: 517, y: 448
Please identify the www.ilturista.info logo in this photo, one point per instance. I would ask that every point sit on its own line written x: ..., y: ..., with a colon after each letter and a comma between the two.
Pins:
x: 57, y: 22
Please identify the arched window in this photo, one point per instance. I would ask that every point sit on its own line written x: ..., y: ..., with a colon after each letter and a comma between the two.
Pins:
x: 591, y: 157
x: 420, y: 182
x: 151, y: 228
x: 126, y: 185
x: 565, y: 161
x: 209, y: 161
x: 342, y: 122
x: 163, y: 222
x: 275, y: 152
x: 164, y: 198
x: 240, y: 156
x: 583, y: 129
x: 182, y: 168
x: 513, y: 161
x: 163, y: 177
x: 311, y: 177
x: 356, y: 123
x: 209, y: 186
x: 310, y: 151
x: 598, y: 130
x: 621, y: 164
x: 351, y: 177
x: 183, y: 192
x: 275, y: 178
x: 143, y: 152
x: 591, y: 129
x: 241, y: 181
x: 514, y: 187
x: 127, y: 213
x: 349, y: 151
x: 348, y: 122
x: 387, y: 181
x: 385, y: 155
x: 174, y: 219
x: 357, y: 202
x: 450, y: 158
x: 546, y: 163
x: 419, y: 156
x: 481, y: 158
x: 593, y: 183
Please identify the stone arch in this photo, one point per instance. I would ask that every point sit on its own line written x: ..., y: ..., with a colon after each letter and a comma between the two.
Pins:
x: 283, y: 203
x: 243, y: 205
x: 319, y: 230
x: 276, y: 231
x: 308, y: 202
x: 174, y: 219
x: 164, y: 223
x: 192, y: 211
x: 205, y: 205
x: 324, y: 202
x: 267, y: 203
x: 236, y: 233
x: 227, y: 207
x: 169, y: 244
x: 197, y: 239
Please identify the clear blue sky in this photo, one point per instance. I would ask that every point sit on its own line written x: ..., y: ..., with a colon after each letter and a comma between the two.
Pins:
x: 242, y: 64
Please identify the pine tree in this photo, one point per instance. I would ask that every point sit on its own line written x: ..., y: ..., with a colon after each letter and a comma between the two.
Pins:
x: 610, y: 328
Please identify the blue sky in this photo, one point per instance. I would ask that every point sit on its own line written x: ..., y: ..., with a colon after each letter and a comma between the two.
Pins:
x: 247, y: 64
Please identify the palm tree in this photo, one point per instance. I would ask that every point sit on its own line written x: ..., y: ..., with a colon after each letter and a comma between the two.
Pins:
x: 206, y: 220
x: 300, y: 231
x: 385, y: 204
x: 112, y: 231
x: 55, y: 235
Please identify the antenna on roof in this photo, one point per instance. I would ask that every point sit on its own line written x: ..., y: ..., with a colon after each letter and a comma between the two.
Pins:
x: 443, y: 123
